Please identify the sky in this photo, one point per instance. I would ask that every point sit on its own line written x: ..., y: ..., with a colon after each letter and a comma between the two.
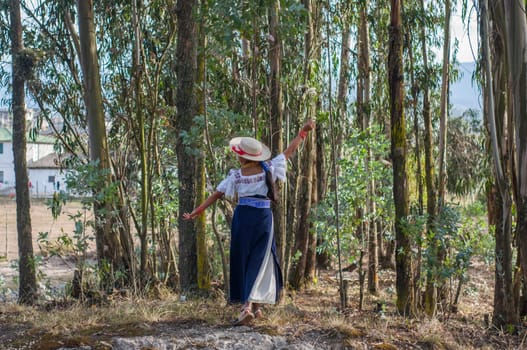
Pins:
x: 461, y: 32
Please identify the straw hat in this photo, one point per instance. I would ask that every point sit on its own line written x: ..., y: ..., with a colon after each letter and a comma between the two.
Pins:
x: 250, y: 148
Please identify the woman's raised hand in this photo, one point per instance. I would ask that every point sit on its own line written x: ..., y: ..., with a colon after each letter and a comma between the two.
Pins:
x: 309, y: 125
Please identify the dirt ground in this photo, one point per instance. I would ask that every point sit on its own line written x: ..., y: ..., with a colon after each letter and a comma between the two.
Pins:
x: 41, y: 221
x: 310, y: 317
x: 307, y: 320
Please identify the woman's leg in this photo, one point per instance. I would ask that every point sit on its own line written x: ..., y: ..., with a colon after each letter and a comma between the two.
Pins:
x: 257, y: 311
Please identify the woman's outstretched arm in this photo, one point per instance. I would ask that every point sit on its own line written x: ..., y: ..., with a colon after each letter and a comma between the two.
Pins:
x: 212, y: 198
x: 308, y: 126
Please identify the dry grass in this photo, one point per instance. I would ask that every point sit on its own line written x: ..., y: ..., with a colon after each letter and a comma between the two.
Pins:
x: 312, y: 315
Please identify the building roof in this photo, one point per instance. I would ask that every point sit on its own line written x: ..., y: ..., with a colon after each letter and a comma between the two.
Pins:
x: 7, y: 136
x: 51, y: 161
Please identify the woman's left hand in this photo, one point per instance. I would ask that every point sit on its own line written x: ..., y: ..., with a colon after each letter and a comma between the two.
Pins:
x: 188, y: 216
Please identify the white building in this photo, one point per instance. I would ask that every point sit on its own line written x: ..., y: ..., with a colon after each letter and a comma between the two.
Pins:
x: 44, y: 172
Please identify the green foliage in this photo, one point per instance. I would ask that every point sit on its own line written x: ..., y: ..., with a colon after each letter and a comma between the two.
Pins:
x: 89, y: 182
x: 467, y: 167
x: 352, y: 194
x: 478, y: 235
x: 459, y: 234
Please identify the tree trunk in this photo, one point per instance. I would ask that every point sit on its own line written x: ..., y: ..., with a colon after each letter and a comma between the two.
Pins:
x: 443, y: 121
x: 440, y: 244
x: 304, y: 182
x: 311, y: 261
x: 344, y: 78
x: 365, y: 76
x: 323, y: 259
x: 108, y: 241
x: 139, y: 116
x: 22, y: 68
x: 418, y: 169
x: 301, y: 246
x: 398, y: 154
x: 203, y: 268
x: 516, y: 45
x: 186, y: 70
x: 277, y: 121
x: 431, y: 192
x: 504, y: 311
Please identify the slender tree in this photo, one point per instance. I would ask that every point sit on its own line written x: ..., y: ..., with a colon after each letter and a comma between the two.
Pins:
x: 443, y: 117
x: 23, y: 62
x: 109, y: 246
x: 186, y: 71
x: 434, y: 279
x: 431, y: 192
x: 365, y: 113
x: 495, y: 107
x: 297, y: 278
x: 142, y: 144
x: 277, y: 118
x: 415, y: 91
x: 516, y: 46
x: 398, y: 154
x: 203, y: 268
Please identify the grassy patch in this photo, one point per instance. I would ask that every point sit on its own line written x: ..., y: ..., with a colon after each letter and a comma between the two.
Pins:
x: 311, y: 315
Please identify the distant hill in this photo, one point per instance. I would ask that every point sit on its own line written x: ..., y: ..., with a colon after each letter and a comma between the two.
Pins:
x: 465, y: 93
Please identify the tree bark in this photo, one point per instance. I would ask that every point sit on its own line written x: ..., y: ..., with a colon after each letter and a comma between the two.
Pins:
x: 304, y: 182
x: 431, y: 191
x: 302, y: 238
x: 418, y: 169
x: 443, y: 117
x: 277, y: 120
x: 108, y: 241
x: 203, y: 268
x: 365, y: 76
x: 516, y: 45
x: 186, y: 68
x: 22, y: 68
x: 143, y: 156
x: 398, y: 154
x: 504, y: 311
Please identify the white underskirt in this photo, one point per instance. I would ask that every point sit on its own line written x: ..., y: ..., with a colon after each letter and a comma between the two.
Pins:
x: 264, y: 288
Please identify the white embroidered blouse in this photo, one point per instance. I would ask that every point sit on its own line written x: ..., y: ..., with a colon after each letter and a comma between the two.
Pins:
x: 252, y: 185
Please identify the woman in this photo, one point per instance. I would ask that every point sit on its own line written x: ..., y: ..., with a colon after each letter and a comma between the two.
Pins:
x: 254, y: 269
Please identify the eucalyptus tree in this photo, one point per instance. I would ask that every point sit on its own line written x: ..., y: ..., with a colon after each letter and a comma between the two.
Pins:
x: 398, y: 154
x: 515, y: 30
x: 498, y: 121
x: 276, y: 115
x: 110, y: 248
x: 364, y: 112
x: 437, y: 244
x: 299, y: 273
x: 378, y: 16
x: 203, y: 263
x: 22, y: 66
x: 443, y: 117
x: 431, y: 189
x: 186, y: 71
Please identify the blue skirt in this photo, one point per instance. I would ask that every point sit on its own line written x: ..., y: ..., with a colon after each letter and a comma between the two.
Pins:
x: 255, y: 273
